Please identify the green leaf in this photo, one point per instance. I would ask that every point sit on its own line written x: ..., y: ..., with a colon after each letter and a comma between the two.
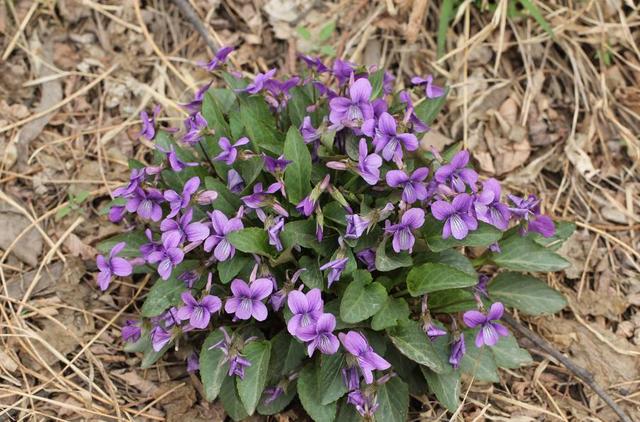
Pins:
x: 330, y: 384
x: 260, y: 124
x: 328, y: 50
x: 412, y: 342
x: 445, y: 386
x: 166, y: 293
x: 304, y: 33
x: 377, y: 83
x: 326, y: 31
x: 250, y: 169
x: 287, y: 354
x: 255, y: 376
x: 213, y: 368
x: 297, y: 105
x: 485, y: 235
x: 310, y: 397
x: 449, y: 257
x: 393, y: 397
x: 392, y: 312
x: 432, y: 277
x: 446, y: 14
x: 521, y: 253
x: 361, y: 301
x: 428, y: 110
x: 303, y: 233
x: 213, y: 113
x: 312, y: 277
x: 226, y: 201
x: 298, y: 173
x: 454, y: 300
x: 231, y: 400
x: 347, y: 412
x: 144, y: 346
x: 225, y: 98
x: 478, y: 362
x: 564, y: 229
x: 133, y: 240
x: 230, y: 268
x: 526, y: 293
x: 386, y: 262
x: 508, y: 354
x: 251, y: 240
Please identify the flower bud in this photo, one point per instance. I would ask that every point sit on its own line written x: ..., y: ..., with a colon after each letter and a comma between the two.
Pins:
x: 206, y: 197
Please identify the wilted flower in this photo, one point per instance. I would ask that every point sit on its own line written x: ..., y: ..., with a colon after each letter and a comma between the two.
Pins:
x: 458, y: 350
x: 159, y: 338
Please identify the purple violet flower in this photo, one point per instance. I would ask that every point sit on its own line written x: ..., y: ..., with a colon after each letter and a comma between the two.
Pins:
x: 131, y: 331
x: 237, y: 362
x: 272, y: 394
x: 389, y: 142
x: 246, y: 301
x: 159, y: 338
x: 410, y: 115
x: 148, y: 130
x: 343, y: 70
x: 528, y: 209
x: 351, y: 378
x: 456, y: 174
x: 490, y: 331
x: 413, y: 187
x: 306, y: 206
x: 147, y: 248
x: 489, y: 208
x: 194, y: 125
x: 365, y: 402
x: 309, y: 133
x: 274, y: 227
x: 367, y: 359
x: 403, y: 238
x: 458, y: 349
x: 235, y: 183
x: 336, y: 268
x: 433, y: 331
x: 168, y: 257
x: 189, y: 278
x: 306, y: 309
x: 113, y: 265
x: 432, y: 90
x: 184, y: 229
x: 259, y: 82
x: 458, y: 220
x: 193, y: 363
x: 275, y: 165
x: 368, y: 164
x: 136, y: 177
x: 198, y: 313
x: 352, y: 112
x: 368, y: 258
x: 219, y: 58
x: 356, y: 226
x: 206, y: 197
x: 175, y: 162
x: 221, y: 226
x: 320, y: 335
x: 196, y: 103
x: 229, y: 152
x: 146, y: 204
x: 180, y: 201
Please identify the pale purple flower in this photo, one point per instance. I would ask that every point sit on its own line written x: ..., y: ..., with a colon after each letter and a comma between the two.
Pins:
x: 433, y: 331
x: 189, y: 278
x: 275, y: 165
x: 229, y: 152
x: 528, y: 209
x: 221, y: 226
x: 196, y: 103
x: 261, y: 198
x: 403, y: 238
x: 278, y: 94
x: 159, y: 338
x: 206, y: 197
x: 219, y: 58
x: 194, y: 125
x: 237, y: 362
x: 198, y: 312
x: 146, y: 203
x: 168, y: 257
x: 309, y: 133
x: 489, y: 208
x: 193, y: 362
x: 458, y: 220
x: 235, y: 183
x: 351, y: 378
x: 365, y: 402
x: 306, y: 206
x: 272, y: 394
x: 432, y: 90
x: 149, y: 123
x: 456, y: 174
x: 246, y: 301
x: 180, y: 201
x: 147, y: 248
x: 136, y: 177
x: 481, y: 287
x: 314, y: 63
x: 343, y: 70
x: 368, y: 258
x: 388, y: 80
x: 458, y: 349
x: 356, y: 226
x: 306, y: 309
x: 112, y: 265
x: 368, y: 360
x: 274, y: 227
x: 320, y: 335
x: 413, y: 187
x: 490, y: 331
x: 131, y: 331
x: 184, y: 229
x: 388, y: 142
x: 352, y: 112
x: 368, y: 164
x: 336, y: 268
x: 175, y: 162
x: 116, y: 213
x: 259, y: 81
x: 410, y: 116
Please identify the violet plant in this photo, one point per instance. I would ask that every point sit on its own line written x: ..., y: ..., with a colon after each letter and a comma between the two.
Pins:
x: 302, y: 245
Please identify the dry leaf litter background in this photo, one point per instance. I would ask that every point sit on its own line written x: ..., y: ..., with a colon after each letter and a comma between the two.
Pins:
x: 557, y: 115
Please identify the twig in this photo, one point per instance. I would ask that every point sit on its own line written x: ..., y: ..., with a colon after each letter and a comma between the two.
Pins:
x: 195, y: 20
x: 578, y: 371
